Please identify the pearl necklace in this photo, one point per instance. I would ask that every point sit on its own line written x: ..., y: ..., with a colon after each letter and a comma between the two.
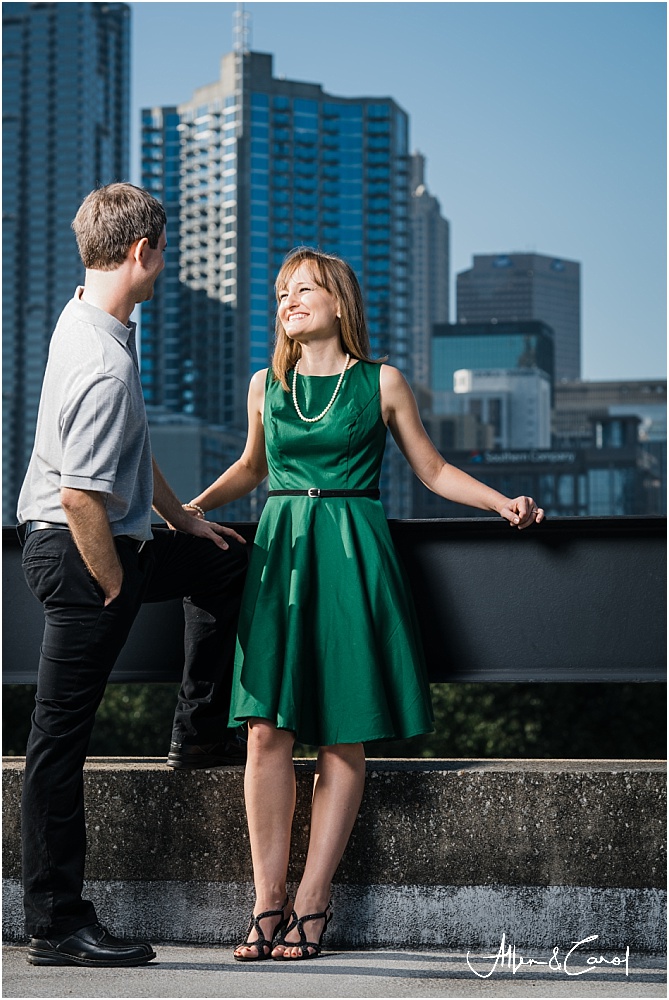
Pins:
x: 312, y: 420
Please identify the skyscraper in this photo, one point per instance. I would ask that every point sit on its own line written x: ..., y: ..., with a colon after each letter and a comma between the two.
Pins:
x: 525, y: 345
x: 66, y: 78
x: 166, y: 376
x: 430, y: 270
x: 527, y: 286
x: 267, y: 164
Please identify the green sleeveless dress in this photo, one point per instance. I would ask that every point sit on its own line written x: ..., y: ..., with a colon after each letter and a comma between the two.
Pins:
x: 328, y: 644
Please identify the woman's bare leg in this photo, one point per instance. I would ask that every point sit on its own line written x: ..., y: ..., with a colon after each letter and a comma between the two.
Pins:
x: 269, y: 793
x: 338, y: 788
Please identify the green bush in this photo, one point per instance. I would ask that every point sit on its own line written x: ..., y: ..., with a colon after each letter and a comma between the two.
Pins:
x: 134, y: 720
x: 589, y: 721
x: 472, y: 720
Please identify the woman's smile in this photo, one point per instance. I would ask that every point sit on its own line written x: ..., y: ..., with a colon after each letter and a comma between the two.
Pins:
x: 305, y: 305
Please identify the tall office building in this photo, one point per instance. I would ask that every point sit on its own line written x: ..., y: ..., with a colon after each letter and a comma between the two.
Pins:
x: 430, y: 270
x: 166, y: 366
x: 477, y: 346
x: 65, y: 126
x: 497, y: 374
x: 267, y: 164
x: 527, y: 286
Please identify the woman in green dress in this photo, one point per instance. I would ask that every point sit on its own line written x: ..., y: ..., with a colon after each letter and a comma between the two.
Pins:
x: 328, y: 650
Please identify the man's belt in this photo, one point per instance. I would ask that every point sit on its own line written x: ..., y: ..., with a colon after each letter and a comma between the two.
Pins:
x: 31, y: 526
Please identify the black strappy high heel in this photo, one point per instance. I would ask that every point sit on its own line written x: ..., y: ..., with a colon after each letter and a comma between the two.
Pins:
x: 304, y: 945
x: 261, y: 942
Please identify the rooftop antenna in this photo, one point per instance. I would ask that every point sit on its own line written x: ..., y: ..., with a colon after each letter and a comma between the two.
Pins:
x: 241, y: 29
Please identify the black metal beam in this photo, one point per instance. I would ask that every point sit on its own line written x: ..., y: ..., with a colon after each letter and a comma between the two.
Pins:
x: 576, y: 599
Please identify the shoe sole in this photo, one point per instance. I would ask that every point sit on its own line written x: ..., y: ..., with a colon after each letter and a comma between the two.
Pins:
x: 36, y: 957
x: 202, y: 763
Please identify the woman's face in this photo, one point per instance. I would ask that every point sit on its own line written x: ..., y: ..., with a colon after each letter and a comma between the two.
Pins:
x: 307, y: 310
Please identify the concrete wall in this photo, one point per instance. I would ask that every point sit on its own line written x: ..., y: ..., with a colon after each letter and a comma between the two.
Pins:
x: 444, y: 853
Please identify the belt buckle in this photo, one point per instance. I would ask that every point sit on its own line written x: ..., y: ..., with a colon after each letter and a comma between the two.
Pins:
x: 313, y: 492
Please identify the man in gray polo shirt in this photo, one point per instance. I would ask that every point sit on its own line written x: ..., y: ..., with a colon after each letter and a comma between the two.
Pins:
x: 92, y: 558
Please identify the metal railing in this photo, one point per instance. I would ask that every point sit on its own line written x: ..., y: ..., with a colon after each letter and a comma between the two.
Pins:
x: 576, y: 599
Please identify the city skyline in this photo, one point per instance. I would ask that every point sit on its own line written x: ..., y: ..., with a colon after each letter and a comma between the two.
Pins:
x: 597, y: 146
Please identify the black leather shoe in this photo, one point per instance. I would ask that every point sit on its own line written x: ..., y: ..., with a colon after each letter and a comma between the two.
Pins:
x: 92, y: 946
x: 189, y: 756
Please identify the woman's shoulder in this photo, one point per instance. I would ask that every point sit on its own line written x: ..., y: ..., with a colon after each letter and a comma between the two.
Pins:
x: 384, y: 375
x: 258, y: 386
x: 259, y: 379
x: 372, y: 366
x: 391, y: 377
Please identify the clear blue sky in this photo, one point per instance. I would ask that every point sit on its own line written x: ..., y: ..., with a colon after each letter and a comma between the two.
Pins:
x: 543, y: 124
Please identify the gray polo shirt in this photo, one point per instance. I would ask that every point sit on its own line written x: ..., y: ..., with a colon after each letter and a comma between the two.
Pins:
x: 92, y: 432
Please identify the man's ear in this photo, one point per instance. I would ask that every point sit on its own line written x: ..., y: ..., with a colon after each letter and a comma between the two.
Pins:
x: 137, y: 249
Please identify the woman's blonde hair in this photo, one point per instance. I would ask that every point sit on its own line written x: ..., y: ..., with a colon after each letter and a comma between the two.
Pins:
x: 337, y: 277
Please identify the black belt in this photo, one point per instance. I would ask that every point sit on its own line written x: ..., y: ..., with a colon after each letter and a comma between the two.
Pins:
x: 317, y: 494
x: 31, y: 526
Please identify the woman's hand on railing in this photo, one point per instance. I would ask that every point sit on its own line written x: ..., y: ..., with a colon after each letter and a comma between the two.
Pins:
x: 521, y: 512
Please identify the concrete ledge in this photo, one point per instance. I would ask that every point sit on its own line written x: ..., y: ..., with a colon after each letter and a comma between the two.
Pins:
x: 448, y: 853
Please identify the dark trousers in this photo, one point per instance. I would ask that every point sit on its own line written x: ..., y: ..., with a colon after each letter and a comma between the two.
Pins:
x: 82, y: 640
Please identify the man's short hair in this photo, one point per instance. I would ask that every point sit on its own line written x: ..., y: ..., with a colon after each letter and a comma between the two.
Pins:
x: 111, y: 219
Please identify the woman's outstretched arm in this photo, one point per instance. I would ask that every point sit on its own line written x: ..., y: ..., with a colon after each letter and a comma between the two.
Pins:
x: 251, y: 468
x: 400, y: 414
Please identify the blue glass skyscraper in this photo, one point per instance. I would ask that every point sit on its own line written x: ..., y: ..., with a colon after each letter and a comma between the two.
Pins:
x: 268, y: 164
x: 528, y: 345
x: 66, y: 82
x: 165, y: 374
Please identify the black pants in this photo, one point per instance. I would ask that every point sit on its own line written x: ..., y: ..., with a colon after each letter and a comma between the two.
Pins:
x: 82, y: 640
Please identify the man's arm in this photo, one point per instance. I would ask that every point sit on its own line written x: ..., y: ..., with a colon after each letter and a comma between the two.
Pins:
x: 87, y: 517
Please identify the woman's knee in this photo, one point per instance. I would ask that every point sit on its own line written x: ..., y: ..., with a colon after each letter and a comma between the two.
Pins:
x: 264, y: 737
